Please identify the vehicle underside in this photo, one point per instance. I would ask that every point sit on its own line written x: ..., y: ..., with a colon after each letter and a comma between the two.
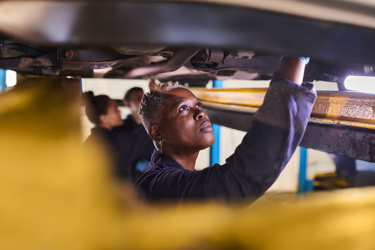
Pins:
x: 191, y: 42
x: 185, y: 64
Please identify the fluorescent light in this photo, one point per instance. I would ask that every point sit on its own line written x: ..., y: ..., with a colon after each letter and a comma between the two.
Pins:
x: 11, y: 78
x: 360, y: 83
x: 83, y: 87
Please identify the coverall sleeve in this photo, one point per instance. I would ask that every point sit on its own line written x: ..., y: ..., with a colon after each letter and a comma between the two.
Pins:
x: 276, y: 131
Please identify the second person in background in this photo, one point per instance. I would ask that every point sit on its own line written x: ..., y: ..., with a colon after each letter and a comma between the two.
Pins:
x: 103, y: 112
x: 131, y: 141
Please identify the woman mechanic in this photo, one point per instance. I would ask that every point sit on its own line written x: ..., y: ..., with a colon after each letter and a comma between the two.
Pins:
x: 103, y: 112
x: 175, y: 120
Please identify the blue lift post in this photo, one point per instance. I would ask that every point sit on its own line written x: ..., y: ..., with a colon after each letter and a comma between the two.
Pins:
x: 215, y: 148
x: 2, y: 80
x: 304, y: 185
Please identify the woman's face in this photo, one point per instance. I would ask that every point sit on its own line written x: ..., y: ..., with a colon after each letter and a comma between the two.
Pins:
x: 113, y: 116
x: 135, y: 101
x: 185, y: 126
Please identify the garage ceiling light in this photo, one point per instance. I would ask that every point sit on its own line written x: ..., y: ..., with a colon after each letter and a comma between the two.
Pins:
x: 11, y: 78
x: 360, y: 83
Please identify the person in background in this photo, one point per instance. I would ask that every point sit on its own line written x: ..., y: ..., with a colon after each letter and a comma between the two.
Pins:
x: 175, y: 120
x: 132, y: 100
x: 132, y: 143
x: 103, y: 112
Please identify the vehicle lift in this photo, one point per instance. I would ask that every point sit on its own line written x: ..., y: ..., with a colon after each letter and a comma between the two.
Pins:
x: 341, y: 123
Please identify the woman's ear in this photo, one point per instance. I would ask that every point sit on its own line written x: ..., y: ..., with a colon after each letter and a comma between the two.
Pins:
x: 154, y: 132
x: 102, y: 120
x: 126, y: 103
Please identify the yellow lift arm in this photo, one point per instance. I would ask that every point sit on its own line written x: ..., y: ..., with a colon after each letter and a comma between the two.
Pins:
x: 342, y: 123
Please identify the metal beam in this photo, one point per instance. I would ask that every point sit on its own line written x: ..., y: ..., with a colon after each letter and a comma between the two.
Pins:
x: 215, y: 148
x: 341, y: 123
x: 2, y: 80
x: 304, y: 185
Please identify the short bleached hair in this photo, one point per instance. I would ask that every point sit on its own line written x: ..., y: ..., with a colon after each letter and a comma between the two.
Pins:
x: 152, y: 103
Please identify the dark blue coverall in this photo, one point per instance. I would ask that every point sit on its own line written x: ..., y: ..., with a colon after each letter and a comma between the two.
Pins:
x: 101, y: 136
x: 133, y: 149
x: 276, y: 131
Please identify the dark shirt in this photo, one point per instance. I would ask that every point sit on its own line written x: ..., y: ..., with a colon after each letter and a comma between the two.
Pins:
x: 276, y: 131
x: 129, y: 125
x: 133, y: 148
x: 100, y: 137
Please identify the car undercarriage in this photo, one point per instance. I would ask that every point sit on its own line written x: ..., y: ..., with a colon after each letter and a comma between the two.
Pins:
x: 192, y: 41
